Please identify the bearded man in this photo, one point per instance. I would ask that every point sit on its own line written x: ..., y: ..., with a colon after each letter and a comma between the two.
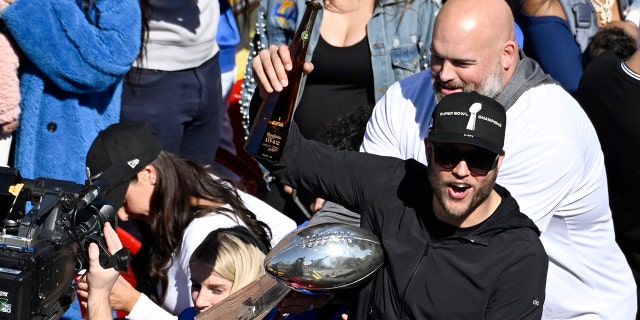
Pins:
x: 456, y: 244
x: 555, y: 168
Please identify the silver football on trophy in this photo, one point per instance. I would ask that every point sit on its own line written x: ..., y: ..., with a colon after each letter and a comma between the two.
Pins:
x: 324, y: 257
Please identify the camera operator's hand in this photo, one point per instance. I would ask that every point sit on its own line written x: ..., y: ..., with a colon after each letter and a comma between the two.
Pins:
x: 123, y: 296
x: 99, y: 281
x: 106, y: 283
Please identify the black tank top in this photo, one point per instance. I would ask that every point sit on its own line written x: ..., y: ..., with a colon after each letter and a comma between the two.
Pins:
x: 341, y: 81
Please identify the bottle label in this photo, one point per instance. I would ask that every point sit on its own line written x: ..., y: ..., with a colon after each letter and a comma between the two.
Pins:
x: 272, y: 142
x: 272, y: 139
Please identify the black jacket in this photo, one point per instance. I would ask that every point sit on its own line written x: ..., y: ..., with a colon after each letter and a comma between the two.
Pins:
x: 494, y: 270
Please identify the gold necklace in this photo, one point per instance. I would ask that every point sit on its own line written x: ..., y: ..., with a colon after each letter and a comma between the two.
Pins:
x: 604, y: 9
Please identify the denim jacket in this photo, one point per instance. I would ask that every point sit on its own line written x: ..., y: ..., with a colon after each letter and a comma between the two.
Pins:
x: 399, y: 34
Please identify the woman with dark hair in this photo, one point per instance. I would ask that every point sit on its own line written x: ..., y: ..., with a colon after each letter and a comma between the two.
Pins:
x: 175, y: 203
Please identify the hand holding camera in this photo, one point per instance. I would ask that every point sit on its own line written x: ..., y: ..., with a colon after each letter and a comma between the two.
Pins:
x: 90, y: 231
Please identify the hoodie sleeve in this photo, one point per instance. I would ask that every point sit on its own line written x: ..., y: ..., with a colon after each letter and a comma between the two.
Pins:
x: 519, y: 292
x: 344, y: 177
x: 79, y: 51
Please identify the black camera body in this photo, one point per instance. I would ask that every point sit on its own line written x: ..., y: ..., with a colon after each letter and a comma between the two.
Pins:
x: 44, y: 247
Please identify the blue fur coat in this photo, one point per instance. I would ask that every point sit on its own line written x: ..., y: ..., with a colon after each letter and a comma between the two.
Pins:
x: 71, y: 78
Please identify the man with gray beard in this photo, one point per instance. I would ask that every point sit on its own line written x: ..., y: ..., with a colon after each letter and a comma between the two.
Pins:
x: 554, y: 168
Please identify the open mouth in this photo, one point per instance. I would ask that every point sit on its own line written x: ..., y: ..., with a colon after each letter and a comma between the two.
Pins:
x: 458, y: 190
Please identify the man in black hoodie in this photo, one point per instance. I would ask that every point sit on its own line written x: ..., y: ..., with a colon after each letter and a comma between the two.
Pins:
x: 457, y: 245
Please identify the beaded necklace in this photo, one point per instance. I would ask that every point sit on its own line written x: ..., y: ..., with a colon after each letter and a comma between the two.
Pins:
x: 604, y: 9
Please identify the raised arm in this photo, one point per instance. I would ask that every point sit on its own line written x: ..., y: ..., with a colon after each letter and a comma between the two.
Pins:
x: 344, y: 177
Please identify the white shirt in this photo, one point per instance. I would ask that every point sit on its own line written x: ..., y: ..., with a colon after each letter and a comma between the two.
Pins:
x: 554, y: 168
x: 178, y: 294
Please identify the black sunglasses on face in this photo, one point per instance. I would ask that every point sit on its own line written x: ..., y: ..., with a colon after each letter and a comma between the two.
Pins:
x: 479, y: 161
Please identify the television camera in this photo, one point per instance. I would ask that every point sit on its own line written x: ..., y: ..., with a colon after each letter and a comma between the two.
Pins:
x: 46, y: 231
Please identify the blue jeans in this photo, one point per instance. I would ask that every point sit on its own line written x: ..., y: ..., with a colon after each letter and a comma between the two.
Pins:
x: 184, y: 107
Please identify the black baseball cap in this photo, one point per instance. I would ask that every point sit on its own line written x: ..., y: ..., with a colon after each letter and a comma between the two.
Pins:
x: 118, y: 153
x: 470, y: 118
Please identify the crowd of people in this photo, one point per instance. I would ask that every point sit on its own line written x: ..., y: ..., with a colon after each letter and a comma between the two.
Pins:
x: 492, y: 146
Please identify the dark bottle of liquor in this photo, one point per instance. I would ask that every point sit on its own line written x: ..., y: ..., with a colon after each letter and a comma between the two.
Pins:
x: 271, y: 125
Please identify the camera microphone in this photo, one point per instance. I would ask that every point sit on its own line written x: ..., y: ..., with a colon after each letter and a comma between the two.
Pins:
x: 108, y: 180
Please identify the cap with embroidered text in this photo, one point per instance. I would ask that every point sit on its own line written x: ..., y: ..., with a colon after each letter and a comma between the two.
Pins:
x: 121, y: 151
x: 470, y: 118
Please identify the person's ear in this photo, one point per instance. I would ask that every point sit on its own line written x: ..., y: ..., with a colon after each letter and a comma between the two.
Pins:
x: 148, y: 174
x: 427, y: 150
x: 500, y: 158
x: 510, y: 54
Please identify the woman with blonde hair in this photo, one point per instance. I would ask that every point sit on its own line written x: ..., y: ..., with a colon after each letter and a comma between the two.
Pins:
x: 227, y: 260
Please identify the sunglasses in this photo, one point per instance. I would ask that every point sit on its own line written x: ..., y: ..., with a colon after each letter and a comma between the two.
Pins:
x: 479, y: 161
